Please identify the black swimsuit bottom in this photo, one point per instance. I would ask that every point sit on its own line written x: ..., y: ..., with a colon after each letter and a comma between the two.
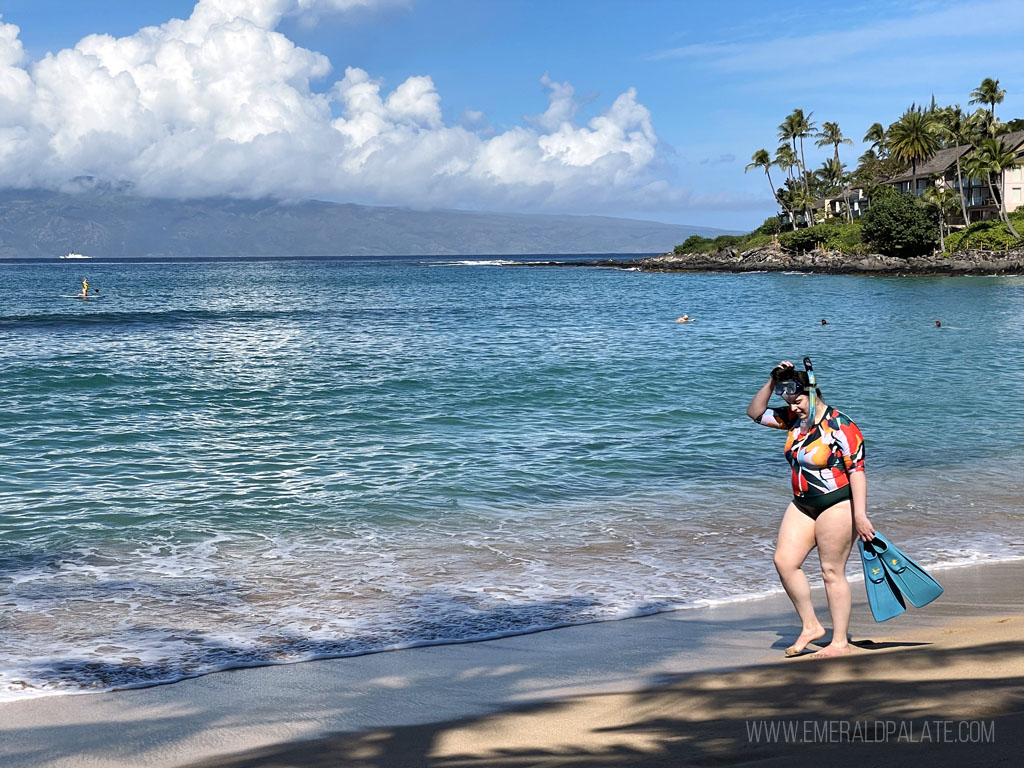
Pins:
x: 812, y: 506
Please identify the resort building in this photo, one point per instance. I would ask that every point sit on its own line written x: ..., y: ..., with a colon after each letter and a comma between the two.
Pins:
x: 1013, y: 180
x: 851, y: 198
x: 941, y: 171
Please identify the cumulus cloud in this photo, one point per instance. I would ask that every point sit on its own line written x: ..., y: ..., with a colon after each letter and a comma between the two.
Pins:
x: 223, y: 103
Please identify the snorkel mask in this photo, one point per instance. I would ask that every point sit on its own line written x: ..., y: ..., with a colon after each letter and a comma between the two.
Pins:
x: 790, y: 383
x: 789, y: 388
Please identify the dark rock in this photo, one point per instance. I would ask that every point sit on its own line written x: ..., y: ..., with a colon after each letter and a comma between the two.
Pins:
x: 773, y: 259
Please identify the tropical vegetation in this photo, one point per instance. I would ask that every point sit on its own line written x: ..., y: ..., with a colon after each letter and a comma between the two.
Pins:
x: 931, y: 214
x: 899, y: 225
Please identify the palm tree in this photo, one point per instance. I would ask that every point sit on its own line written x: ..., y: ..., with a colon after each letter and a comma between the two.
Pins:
x: 788, y: 200
x: 803, y: 200
x: 958, y: 129
x: 804, y: 127
x: 946, y: 201
x: 830, y: 133
x: 786, y: 159
x: 867, y: 158
x: 828, y: 177
x: 879, y: 141
x: 914, y: 139
x: 798, y: 126
x: 761, y: 159
x: 989, y: 157
x: 788, y: 130
x: 988, y: 93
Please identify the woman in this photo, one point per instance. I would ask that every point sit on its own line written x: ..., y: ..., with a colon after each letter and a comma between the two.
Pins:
x: 829, y: 507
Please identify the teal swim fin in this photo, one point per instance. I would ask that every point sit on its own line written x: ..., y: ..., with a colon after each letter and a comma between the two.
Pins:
x: 909, y: 577
x: 884, y: 597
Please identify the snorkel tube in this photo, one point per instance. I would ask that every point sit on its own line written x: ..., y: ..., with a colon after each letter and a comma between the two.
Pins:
x: 808, y: 424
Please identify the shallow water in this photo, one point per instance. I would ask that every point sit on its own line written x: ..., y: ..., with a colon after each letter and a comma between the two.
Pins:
x: 219, y: 464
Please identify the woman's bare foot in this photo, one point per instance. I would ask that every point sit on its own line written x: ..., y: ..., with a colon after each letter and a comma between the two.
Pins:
x: 807, y: 636
x: 831, y: 650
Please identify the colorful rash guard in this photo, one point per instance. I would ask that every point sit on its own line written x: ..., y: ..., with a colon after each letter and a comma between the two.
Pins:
x: 824, y: 458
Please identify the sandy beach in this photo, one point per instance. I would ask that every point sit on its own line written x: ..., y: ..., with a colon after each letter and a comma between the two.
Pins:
x: 941, y: 685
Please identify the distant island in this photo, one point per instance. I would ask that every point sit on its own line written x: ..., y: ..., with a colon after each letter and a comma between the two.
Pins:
x: 110, y: 223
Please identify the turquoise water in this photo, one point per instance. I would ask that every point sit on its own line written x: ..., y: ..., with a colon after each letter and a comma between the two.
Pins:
x: 219, y: 464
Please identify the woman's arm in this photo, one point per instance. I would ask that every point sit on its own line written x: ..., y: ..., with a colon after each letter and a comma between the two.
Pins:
x: 859, y: 493
x: 759, y: 403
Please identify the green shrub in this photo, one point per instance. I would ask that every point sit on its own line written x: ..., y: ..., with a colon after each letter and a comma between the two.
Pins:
x: 760, y: 238
x: 729, y: 241
x: 771, y: 226
x: 696, y: 244
x: 757, y: 240
x: 900, y: 225
x: 989, y: 235
x: 832, y: 234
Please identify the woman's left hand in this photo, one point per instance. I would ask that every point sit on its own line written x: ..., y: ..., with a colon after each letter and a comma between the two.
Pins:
x: 865, y: 529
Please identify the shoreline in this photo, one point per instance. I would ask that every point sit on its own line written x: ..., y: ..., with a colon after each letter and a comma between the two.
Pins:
x: 704, y: 604
x: 774, y: 259
x: 244, y: 711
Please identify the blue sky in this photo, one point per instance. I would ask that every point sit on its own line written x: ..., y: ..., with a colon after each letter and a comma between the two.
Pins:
x: 647, y: 109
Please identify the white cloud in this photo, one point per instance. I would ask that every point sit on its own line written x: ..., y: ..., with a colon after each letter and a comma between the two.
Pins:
x: 222, y: 103
x: 562, y: 106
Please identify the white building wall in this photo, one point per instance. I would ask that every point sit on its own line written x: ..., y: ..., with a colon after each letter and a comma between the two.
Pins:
x: 1013, y: 187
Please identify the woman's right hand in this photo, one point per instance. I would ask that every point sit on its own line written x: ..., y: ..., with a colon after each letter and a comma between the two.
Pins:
x: 783, y: 366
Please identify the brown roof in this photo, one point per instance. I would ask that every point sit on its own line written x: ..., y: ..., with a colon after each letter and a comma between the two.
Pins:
x: 1013, y: 140
x: 944, y: 159
x: 940, y: 162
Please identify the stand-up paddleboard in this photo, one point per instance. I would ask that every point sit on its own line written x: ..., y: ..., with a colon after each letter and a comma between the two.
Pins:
x: 80, y: 296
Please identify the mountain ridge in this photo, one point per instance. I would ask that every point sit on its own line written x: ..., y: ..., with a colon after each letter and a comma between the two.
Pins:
x: 110, y: 223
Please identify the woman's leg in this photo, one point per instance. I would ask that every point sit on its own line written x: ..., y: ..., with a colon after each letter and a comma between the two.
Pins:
x: 834, y: 535
x: 796, y: 540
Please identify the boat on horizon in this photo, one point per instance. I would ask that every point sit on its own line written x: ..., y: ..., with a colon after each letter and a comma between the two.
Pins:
x: 74, y: 255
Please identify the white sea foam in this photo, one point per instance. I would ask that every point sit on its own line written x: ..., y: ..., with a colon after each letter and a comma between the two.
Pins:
x: 156, y: 614
x: 474, y: 263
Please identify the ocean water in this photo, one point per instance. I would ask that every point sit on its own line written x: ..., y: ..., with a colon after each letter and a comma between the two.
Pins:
x: 228, y: 463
